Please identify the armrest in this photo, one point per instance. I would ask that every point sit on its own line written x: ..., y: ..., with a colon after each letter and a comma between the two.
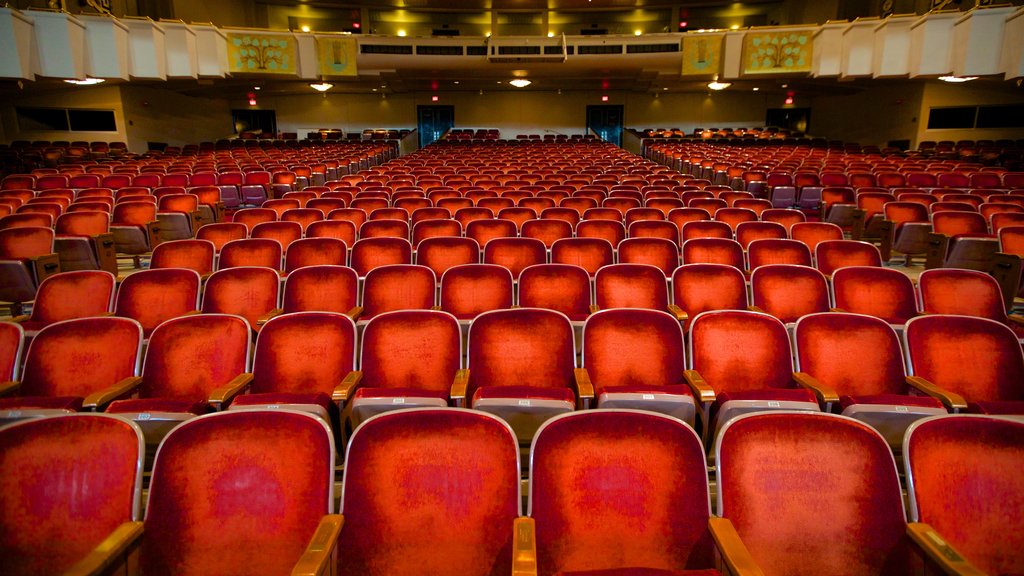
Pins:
x: 98, y: 400
x: 939, y: 551
x: 7, y: 388
x: 317, y: 556
x: 732, y: 549
x: 948, y: 399
x: 753, y: 308
x: 826, y: 395
x: 266, y: 317
x: 225, y: 394
x: 459, y: 386
x: 347, y: 386
x: 678, y: 312
x: 524, y: 548
x: 1015, y: 319
x: 108, y: 551
x: 594, y: 308
x: 584, y: 388
x: 701, y: 390
x: 19, y: 319
x: 355, y: 312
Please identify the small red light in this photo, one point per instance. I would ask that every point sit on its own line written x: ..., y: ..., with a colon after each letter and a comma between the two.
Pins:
x: 252, y: 98
x: 788, y: 100
x: 604, y: 98
x: 356, y: 25
x: 434, y: 98
x: 682, y: 24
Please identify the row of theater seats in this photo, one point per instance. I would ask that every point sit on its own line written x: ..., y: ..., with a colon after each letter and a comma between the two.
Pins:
x: 438, y: 492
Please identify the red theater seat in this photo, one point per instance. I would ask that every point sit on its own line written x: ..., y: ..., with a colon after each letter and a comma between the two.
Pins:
x: 880, y: 292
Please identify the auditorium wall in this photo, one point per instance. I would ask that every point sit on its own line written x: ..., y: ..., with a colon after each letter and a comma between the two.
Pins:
x: 96, y: 98
x: 877, y: 115
x: 942, y: 94
x: 155, y: 115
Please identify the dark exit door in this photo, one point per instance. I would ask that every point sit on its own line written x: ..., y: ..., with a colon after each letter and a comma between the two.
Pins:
x: 606, y: 122
x: 796, y: 119
x: 433, y: 121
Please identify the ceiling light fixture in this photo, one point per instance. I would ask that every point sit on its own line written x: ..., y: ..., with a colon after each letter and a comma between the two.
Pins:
x: 957, y: 79
x: 401, y: 33
x: 322, y: 86
x: 755, y: 88
x: 551, y: 34
x: 520, y: 82
x: 86, y: 82
x: 305, y: 28
x: 716, y: 85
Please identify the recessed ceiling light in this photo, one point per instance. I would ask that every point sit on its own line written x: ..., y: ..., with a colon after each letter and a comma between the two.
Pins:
x: 755, y: 88
x: 785, y: 85
x: 304, y: 28
x: 551, y: 34
x: 86, y: 82
x: 520, y: 82
x: 455, y: 82
x: 716, y: 85
x: 638, y: 32
x: 401, y: 32
x: 322, y: 87
x: 665, y: 88
x: 374, y: 89
x: 957, y: 79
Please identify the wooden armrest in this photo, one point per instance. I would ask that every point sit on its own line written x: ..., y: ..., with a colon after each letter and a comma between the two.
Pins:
x: 939, y: 551
x: 840, y: 310
x: 825, y: 394
x: 584, y: 388
x: 19, y: 319
x: 678, y: 312
x: 225, y: 394
x: 594, y: 308
x: 732, y: 549
x: 701, y: 390
x: 109, y: 551
x: 355, y: 312
x: 524, y: 547
x: 98, y: 400
x: 347, y: 387
x: 753, y: 308
x: 459, y: 386
x: 8, y: 388
x: 1016, y: 319
x: 315, y: 560
x: 266, y: 317
x: 949, y: 400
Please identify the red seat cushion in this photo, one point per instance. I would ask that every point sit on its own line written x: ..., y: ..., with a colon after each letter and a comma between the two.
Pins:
x: 524, y: 393
x: 893, y: 399
x: 676, y: 389
x: 780, y: 394
x: 640, y: 572
x: 399, y: 393
x: 73, y: 403
x: 160, y: 405
x: 996, y: 407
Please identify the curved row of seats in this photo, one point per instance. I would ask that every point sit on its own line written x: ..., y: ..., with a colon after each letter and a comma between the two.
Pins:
x: 437, y: 492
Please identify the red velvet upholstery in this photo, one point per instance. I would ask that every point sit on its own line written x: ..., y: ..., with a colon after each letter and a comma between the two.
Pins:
x: 880, y: 292
x: 964, y: 292
x: 631, y: 286
x: 189, y: 357
x: 263, y: 252
x: 237, y: 493
x: 813, y: 233
x: 304, y: 216
x: 68, y: 482
x: 655, y: 229
x: 280, y: 205
x: 340, y: 229
x: 658, y: 252
x: 384, y: 229
x: 777, y: 251
x: 812, y: 493
x: 67, y: 295
x: 560, y: 287
x: 520, y: 347
x: 622, y: 490
x: 738, y: 350
x: 430, y: 491
x: 747, y: 232
x: 547, y: 231
x: 26, y: 220
x: 78, y: 357
x: 611, y: 230
x: 442, y: 252
x: 412, y: 350
x: 698, y: 288
x: 485, y: 230
x: 253, y: 216
x: 304, y: 352
x: 320, y: 288
x: 470, y: 289
x: 831, y: 255
x: 850, y: 353
x: 956, y: 223
x: 623, y: 347
x: 25, y: 242
x: 220, y: 233
x: 964, y: 481
x: 284, y: 232
x: 515, y: 254
x: 785, y: 216
x: 705, y: 229
x: 789, y: 292
x: 87, y: 223
x: 315, y: 252
x: 248, y: 291
x: 976, y: 358
x: 369, y: 253
x: 12, y: 341
x: 397, y: 287
x: 191, y: 254
x: 569, y: 215
x: 587, y: 253
x: 713, y: 251
x: 734, y: 216
x: 354, y: 215
x: 152, y: 296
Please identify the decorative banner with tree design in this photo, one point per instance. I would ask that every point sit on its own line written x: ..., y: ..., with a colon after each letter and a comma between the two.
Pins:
x: 777, y: 52
x: 337, y: 55
x: 261, y: 53
x: 701, y: 54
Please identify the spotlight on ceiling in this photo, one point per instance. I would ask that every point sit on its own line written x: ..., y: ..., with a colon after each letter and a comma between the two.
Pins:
x: 957, y: 79
x: 520, y: 82
x: 716, y: 85
x: 322, y: 86
x: 86, y: 82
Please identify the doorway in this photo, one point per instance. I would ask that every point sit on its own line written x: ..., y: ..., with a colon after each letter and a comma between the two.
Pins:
x: 606, y: 122
x: 433, y: 121
x: 254, y: 121
x: 794, y: 119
